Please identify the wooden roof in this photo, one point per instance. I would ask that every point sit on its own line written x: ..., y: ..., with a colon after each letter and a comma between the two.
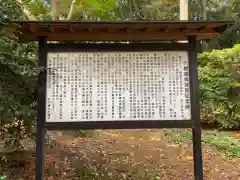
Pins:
x: 123, y: 30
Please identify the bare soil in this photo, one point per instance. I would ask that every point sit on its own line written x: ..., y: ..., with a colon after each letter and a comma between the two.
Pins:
x: 128, y: 154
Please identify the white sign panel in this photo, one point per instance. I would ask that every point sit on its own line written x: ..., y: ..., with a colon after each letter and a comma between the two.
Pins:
x: 117, y: 86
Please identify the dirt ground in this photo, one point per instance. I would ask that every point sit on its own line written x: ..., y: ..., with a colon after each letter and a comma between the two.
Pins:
x: 129, y: 154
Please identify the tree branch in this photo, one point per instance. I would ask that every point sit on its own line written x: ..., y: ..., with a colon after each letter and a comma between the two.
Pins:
x: 134, y: 10
x: 27, y: 13
x: 70, y: 13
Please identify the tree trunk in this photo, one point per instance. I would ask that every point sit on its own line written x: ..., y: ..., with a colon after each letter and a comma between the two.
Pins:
x: 203, y: 14
x: 130, y: 9
x: 71, y: 9
x: 227, y: 11
x: 135, y: 10
x: 203, y: 6
x: 54, y: 9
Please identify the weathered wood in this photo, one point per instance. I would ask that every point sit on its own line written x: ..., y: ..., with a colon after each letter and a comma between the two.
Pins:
x: 120, y: 31
x: 106, y: 36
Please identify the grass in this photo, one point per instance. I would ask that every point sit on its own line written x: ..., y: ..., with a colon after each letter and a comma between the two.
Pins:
x: 178, y: 136
x: 226, y: 144
x: 86, y: 133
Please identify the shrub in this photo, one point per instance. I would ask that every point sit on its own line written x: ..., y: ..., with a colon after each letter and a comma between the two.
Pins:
x: 219, y: 77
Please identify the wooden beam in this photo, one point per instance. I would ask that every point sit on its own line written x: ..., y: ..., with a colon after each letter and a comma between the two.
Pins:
x: 197, y: 30
x: 71, y: 28
x: 32, y: 28
x: 120, y: 36
x: 178, y: 30
x: 51, y: 29
x: 127, y: 31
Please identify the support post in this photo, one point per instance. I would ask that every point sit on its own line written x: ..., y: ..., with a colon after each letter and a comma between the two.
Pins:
x: 41, y: 101
x: 195, y: 108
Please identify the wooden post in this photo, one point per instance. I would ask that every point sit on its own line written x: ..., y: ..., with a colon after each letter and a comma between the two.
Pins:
x: 41, y: 113
x: 195, y: 108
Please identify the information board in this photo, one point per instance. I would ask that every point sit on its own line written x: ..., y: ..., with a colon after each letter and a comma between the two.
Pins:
x: 117, y: 86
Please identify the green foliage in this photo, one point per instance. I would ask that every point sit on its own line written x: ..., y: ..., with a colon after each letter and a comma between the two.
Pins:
x: 147, y: 10
x: 218, y: 74
x: 217, y: 10
x: 178, y: 136
x: 10, y: 10
x: 38, y: 9
x: 226, y: 144
x: 17, y: 81
x: 143, y: 10
x: 228, y: 38
x: 88, y: 9
x: 86, y: 133
x: 3, y: 177
x: 161, y: 10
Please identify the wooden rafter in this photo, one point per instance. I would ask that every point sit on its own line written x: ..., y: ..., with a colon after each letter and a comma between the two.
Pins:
x: 129, y: 31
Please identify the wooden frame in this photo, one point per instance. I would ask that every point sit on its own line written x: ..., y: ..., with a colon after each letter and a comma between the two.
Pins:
x: 120, y: 124
x: 194, y: 91
x: 119, y: 31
